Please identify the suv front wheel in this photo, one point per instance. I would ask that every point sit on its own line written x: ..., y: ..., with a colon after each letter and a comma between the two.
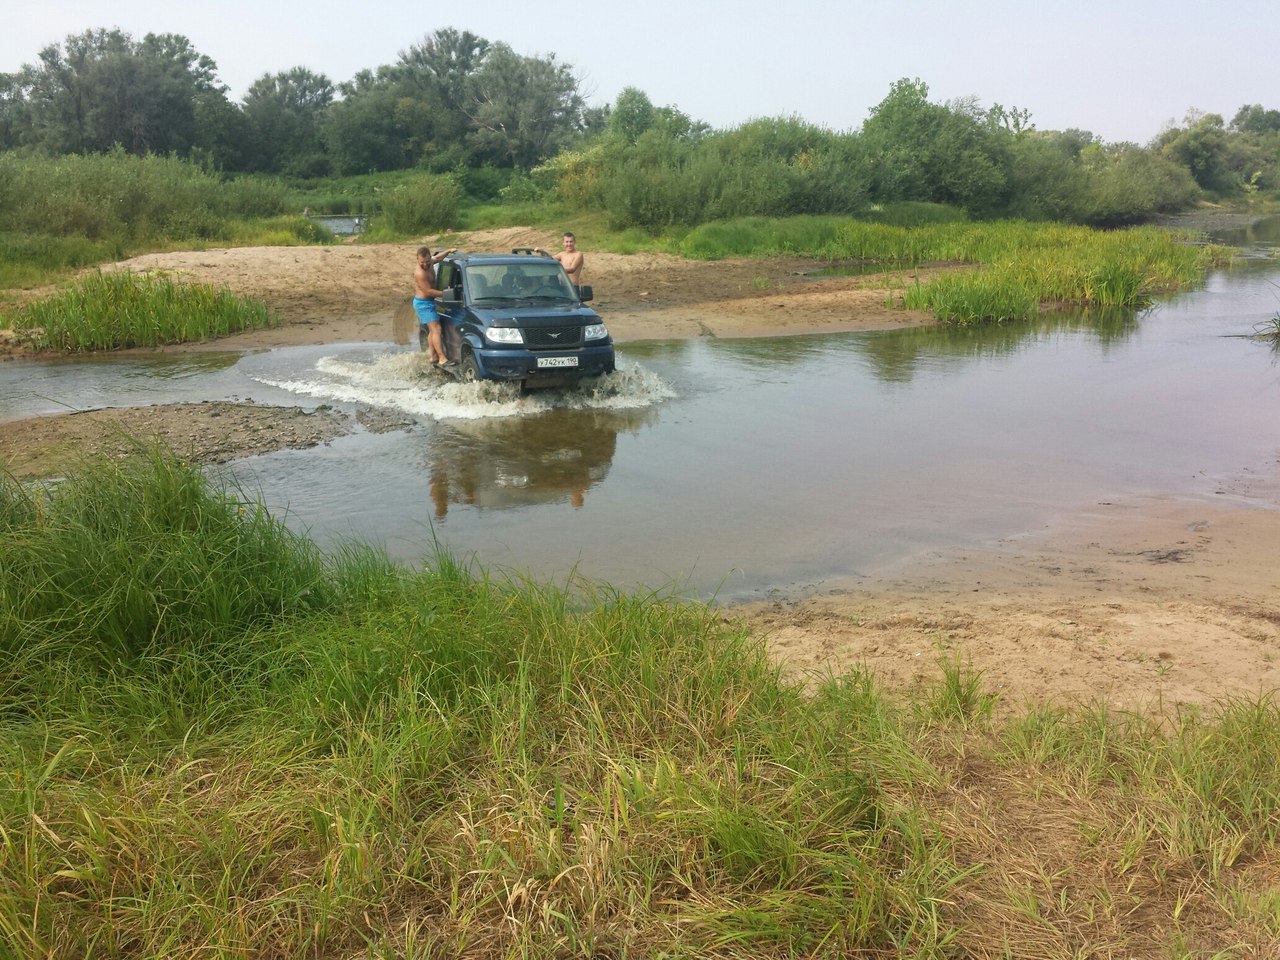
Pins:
x: 468, y: 370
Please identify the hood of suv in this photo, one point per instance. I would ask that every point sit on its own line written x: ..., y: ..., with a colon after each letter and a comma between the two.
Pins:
x: 522, y: 313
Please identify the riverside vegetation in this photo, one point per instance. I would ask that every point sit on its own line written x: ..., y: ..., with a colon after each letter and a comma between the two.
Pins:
x: 1020, y: 266
x: 218, y: 739
x: 82, y: 210
x: 105, y: 311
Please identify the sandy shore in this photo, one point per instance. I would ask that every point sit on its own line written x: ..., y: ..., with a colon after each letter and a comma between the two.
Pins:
x: 1150, y: 603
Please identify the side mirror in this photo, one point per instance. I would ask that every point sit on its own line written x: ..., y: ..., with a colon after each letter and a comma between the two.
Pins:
x: 584, y: 292
x: 452, y: 295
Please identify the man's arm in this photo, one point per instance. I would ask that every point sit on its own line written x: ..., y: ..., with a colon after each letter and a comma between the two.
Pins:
x: 572, y: 263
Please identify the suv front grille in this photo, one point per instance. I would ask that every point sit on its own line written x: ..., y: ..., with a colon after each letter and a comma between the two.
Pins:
x: 553, y: 338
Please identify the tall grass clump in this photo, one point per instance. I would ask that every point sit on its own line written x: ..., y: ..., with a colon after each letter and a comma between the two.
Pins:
x: 761, y: 237
x: 251, y: 197
x: 1200, y: 791
x: 1022, y: 266
x: 114, y: 309
x: 283, y: 231
x: 124, y: 558
x: 427, y: 205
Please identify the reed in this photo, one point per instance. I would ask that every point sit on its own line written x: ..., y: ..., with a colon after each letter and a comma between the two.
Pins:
x: 1269, y: 330
x: 1019, y: 267
x: 114, y: 309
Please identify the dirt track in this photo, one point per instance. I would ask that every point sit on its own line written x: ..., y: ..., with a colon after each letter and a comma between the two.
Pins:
x: 1152, y: 602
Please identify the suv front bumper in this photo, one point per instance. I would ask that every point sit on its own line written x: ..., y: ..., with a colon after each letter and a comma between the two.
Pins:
x: 498, y: 363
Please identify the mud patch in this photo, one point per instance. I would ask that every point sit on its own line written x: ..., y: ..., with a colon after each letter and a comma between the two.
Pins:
x: 208, y: 432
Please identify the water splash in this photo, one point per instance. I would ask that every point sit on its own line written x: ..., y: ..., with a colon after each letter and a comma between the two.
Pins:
x: 408, y: 383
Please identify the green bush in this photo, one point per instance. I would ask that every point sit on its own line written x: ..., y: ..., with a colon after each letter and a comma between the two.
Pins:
x: 29, y: 258
x: 428, y: 205
x: 252, y: 197
x: 118, y: 203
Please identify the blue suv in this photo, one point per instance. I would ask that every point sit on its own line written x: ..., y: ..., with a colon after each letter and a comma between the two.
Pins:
x: 516, y: 317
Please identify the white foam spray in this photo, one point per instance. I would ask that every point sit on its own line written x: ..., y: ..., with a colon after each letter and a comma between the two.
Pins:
x: 408, y: 383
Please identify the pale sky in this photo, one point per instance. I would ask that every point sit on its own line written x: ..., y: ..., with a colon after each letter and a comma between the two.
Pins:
x: 1123, y: 69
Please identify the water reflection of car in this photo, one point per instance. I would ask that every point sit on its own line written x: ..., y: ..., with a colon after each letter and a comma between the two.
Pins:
x: 517, y: 317
x: 517, y: 461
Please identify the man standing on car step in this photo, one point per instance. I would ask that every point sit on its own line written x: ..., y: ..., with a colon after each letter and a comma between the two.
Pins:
x: 424, y: 302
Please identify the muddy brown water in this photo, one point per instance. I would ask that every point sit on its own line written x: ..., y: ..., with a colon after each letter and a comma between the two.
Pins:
x: 744, y: 468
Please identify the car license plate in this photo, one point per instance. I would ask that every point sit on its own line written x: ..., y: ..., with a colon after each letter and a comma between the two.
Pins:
x: 557, y: 362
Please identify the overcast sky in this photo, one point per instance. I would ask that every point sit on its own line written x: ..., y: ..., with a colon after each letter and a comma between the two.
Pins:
x: 1123, y: 69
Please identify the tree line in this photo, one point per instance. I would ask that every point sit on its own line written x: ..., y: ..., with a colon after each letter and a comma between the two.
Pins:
x: 458, y: 104
x: 454, y: 99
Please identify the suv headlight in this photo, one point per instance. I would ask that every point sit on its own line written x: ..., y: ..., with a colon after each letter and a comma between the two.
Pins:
x: 504, y: 335
x: 595, y: 331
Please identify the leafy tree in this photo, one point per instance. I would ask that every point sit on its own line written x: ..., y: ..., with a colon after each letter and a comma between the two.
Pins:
x: 1072, y: 141
x: 632, y: 115
x: 950, y: 154
x: 1014, y: 119
x: 1253, y: 118
x: 284, y: 113
x: 431, y: 81
x: 1125, y: 184
x: 595, y: 120
x: 410, y: 113
x: 15, y: 118
x: 521, y: 109
x: 222, y: 133
x: 366, y: 130
x: 441, y: 67
x: 1253, y: 153
x: 1201, y: 147
x: 1046, y: 180
x: 101, y: 88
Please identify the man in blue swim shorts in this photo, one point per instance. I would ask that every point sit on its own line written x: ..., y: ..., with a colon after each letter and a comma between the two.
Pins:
x: 424, y: 302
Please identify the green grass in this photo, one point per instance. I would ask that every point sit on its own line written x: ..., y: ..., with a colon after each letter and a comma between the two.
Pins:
x: 1016, y: 267
x: 115, y: 309
x: 1269, y: 330
x: 216, y: 739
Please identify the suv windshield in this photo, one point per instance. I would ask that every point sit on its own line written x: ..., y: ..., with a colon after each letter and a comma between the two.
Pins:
x: 519, y: 281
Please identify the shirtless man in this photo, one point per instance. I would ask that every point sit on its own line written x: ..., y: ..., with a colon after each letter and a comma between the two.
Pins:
x: 571, y: 259
x: 424, y: 301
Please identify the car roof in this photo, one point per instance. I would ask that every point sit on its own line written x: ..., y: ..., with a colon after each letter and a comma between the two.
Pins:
x: 467, y: 259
